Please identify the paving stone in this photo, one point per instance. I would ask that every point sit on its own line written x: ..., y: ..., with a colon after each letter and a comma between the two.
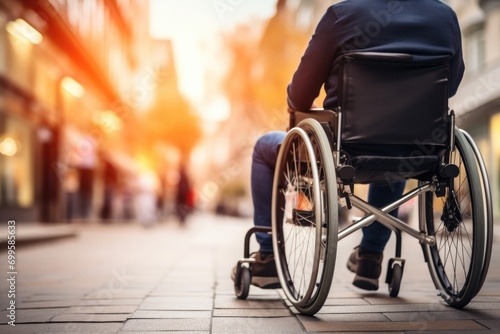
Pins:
x: 31, y: 315
x: 401, y: 300
x: 483, y: 306
x: 493, y: 324
x: 332, y: 318
x: 82, y: 317
x: 372, y: 326
x: 177, y: 303
x: 173, y: 288
x: 257, y: 293
x: 263, y: 297
x: 56, y: 328
x: 252, y: 313
x: 384, y: 308
x: 345, y: 301
x: 161, y: 293
x: 47, y: 304
x: 53, y: 297
x: 488, y: 299
x: 234, y: 303
x: 106, y: 293
x: 100, y: 309
x: 167, y: 325
x: 140, y: 314
x: 344, y: 291
x: 187, y: 286
x: 483, y: 314
x: 465, y: 331
x: 163, y: 332
x: 110, y: 302
x: 287, y: 325
x: 447, y: 315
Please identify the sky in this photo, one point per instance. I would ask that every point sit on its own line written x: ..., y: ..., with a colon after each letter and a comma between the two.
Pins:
x: 195, y: 27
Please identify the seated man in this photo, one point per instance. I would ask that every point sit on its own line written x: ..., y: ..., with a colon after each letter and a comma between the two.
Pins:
x: 426, y: 29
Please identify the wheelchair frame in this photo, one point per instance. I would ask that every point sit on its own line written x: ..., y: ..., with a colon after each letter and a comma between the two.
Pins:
x: 481, y: 245
x: 317, y: 135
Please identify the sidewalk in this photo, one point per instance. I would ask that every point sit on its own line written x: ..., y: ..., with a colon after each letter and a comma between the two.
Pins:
x: 30, y: 233
x: 123, y: 278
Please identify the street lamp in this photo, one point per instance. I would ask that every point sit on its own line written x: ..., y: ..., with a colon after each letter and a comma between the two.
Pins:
x: 8, y: 147
x: 73, y: 87
x: 108, y: 121
x: 23, y: 31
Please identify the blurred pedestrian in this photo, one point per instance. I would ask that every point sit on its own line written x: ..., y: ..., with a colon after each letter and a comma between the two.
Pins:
x: 145, y: 198
x: 71, y: 192
x: 86, y: 189
x: 110, y: 182
x: 184, y: 196
x: 160, y: 196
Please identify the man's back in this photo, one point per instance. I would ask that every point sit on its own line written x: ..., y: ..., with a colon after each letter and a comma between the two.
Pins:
x: 426, y: 29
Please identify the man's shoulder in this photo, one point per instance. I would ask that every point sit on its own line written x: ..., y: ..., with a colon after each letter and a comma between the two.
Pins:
x: 345, y: 4
x: 345, y: 8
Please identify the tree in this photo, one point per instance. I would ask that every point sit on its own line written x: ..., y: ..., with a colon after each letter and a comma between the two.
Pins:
x: 171, y: 119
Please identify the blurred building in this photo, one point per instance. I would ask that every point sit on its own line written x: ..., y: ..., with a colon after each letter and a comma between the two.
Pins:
x: 477, y: 102
x: 264, y: 58
x: 69, y: 81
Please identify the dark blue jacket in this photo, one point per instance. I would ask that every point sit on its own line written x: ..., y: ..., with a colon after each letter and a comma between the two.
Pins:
x: 426, y: 29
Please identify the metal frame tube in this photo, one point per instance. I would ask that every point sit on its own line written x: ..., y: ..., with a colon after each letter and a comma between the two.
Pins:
x: 339, y: 136
x: 383, y: 216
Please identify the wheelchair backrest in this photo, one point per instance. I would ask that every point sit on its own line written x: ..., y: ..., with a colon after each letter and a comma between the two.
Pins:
x: 391, y: 104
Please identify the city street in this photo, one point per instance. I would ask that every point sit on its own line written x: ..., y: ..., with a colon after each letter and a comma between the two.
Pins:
x: 115, y: 113
x: 124, y: 278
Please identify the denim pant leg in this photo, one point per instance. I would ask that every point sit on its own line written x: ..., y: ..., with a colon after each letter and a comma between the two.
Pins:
x: 376, y: 235
x: 263, y: 164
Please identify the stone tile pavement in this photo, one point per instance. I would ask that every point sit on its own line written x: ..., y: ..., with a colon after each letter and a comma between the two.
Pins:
x: 123, y: 278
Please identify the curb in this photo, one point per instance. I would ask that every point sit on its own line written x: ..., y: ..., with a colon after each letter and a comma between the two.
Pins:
x: 29, y: 235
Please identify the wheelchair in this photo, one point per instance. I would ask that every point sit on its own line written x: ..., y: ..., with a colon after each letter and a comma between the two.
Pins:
x: 392, y: 123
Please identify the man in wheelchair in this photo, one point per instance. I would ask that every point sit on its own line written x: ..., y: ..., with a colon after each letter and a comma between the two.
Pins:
x: 422, y: 30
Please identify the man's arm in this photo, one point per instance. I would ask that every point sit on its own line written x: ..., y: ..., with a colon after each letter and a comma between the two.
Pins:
x: 457, y: 66
x: 315, y: 65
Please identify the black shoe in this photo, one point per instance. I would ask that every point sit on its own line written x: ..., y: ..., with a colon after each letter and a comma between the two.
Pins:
x: 263, y: 271
x: 367, y: 267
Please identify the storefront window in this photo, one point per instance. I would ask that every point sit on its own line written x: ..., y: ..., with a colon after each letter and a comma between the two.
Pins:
x: 16, y: 163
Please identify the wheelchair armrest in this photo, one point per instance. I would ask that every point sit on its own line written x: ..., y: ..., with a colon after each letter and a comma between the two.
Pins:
x: 319, y: 114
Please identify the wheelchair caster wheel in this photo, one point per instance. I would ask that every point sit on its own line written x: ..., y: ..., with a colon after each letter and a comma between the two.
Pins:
x: 241, y: 290
x: 395, y: 281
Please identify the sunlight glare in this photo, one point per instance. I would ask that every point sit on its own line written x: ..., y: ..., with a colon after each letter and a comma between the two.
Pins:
x: 196, y: 29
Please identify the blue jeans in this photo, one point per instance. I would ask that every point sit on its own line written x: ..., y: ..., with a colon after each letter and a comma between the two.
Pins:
x: 265, y: 154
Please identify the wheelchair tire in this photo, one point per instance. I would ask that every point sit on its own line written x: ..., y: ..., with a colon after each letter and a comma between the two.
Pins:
x: 459, y: 223
x: 305, y: 216
x: 242, y: 290
x: 396, y: 277
x: 488, y: 207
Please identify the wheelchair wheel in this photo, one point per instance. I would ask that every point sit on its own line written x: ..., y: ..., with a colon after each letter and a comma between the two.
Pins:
x: 305, y: 216
x: 243, y: 288
x: 459, y: 223
x: 488, y: 207
x: 395, y: 282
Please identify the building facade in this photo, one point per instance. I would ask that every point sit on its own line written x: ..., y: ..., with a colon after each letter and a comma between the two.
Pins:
x: 264, y: 57
x: 477, y: 102
x: 67, y: 70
